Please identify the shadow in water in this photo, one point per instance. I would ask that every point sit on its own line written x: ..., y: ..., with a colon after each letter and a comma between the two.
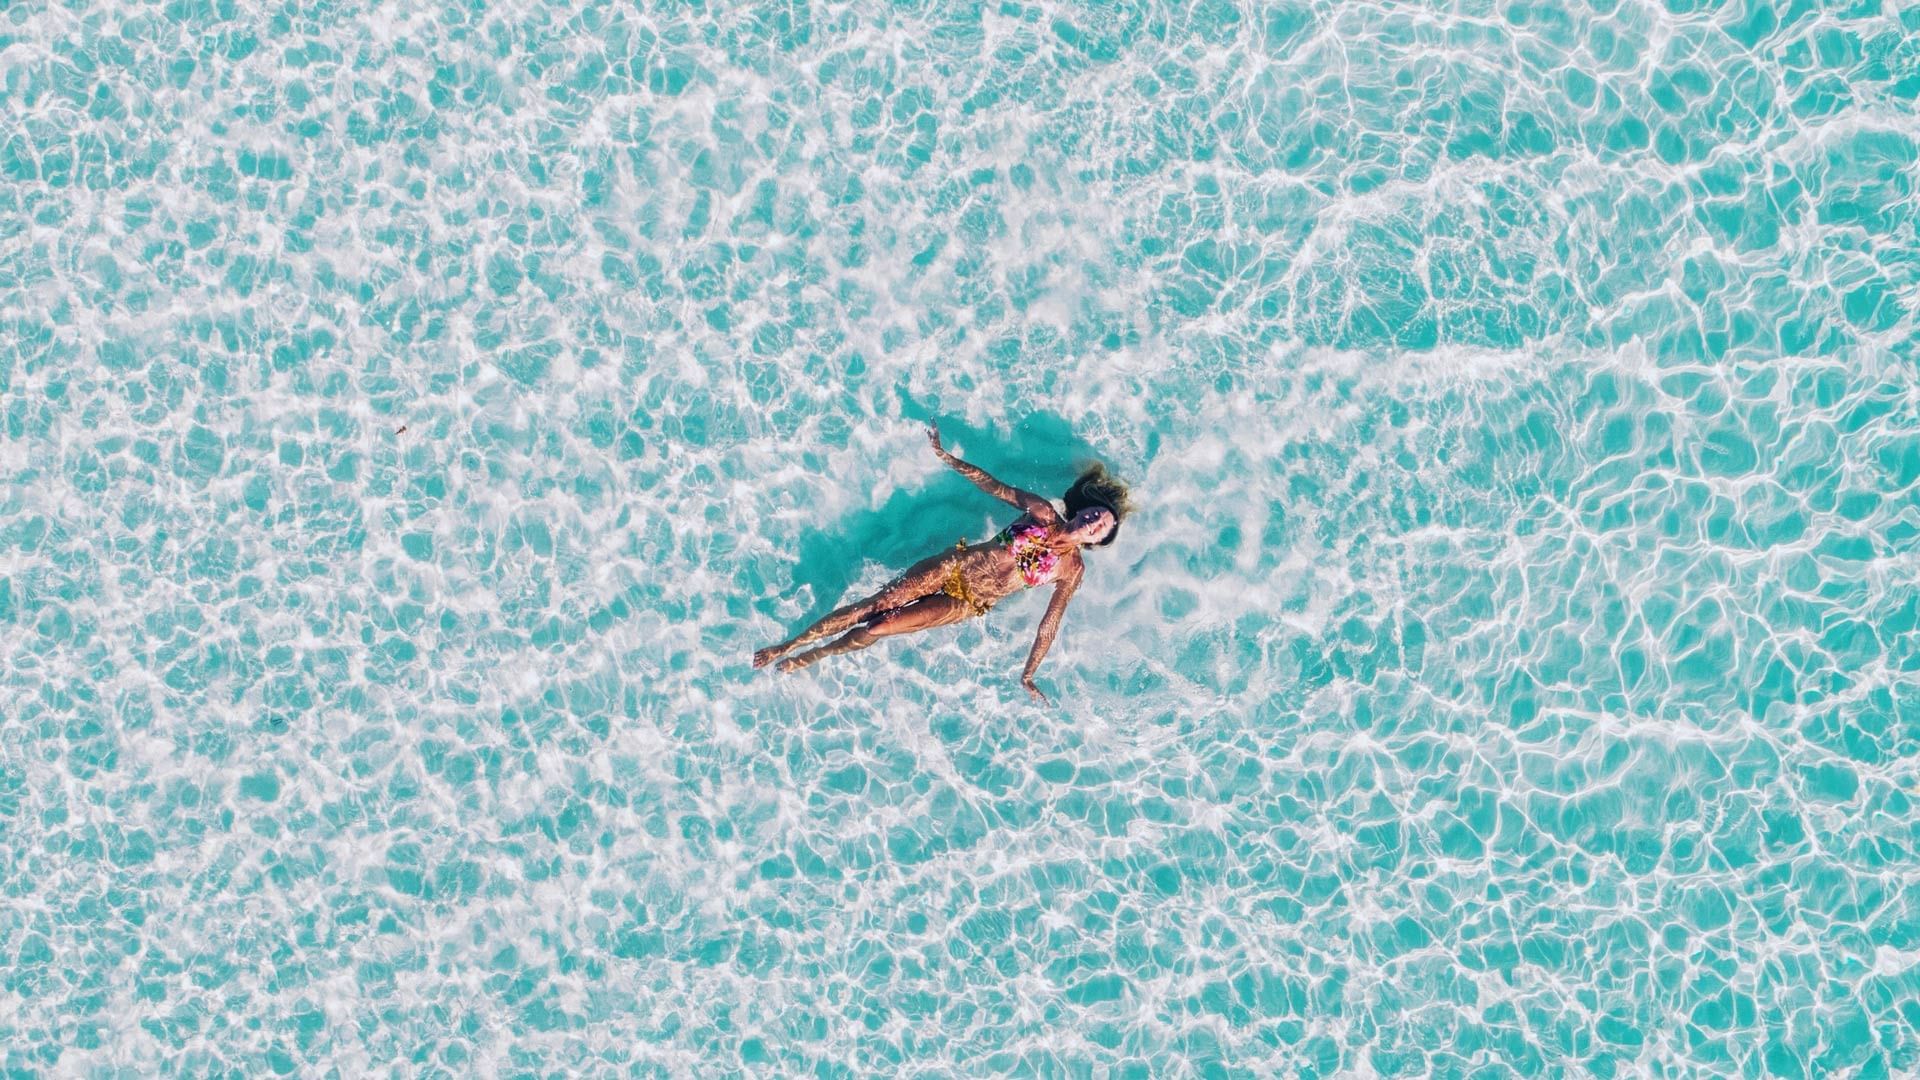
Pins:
x: 1042, y: 455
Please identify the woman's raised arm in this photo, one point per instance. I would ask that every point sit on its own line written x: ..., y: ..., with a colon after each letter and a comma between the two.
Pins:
x: 1036, y: 505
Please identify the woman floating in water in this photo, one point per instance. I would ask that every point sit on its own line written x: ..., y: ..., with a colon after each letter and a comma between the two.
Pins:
x: 1039, y: 548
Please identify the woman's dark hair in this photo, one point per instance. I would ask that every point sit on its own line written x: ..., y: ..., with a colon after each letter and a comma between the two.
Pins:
x: 1098, y: 487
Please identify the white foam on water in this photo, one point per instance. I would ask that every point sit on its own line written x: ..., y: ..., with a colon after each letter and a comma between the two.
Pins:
x: 1513, y: 643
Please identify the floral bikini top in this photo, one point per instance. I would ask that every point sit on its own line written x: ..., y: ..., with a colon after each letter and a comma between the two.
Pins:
x: 1028, y: 542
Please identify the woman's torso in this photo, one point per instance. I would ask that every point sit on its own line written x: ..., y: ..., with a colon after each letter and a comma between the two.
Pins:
x: 1024, y: 555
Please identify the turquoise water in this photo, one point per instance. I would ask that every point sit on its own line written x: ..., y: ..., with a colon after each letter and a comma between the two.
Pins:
x: 1511, y: 670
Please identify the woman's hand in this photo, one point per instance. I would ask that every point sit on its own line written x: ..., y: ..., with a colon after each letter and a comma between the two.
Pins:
x: 933, y: 436
x: 1035, y: 691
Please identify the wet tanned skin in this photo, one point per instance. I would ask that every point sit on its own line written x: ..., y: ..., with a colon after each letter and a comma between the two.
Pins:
x: 918, y: 600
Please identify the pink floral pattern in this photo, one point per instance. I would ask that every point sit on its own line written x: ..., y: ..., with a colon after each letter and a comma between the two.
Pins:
x: 1031, y: 553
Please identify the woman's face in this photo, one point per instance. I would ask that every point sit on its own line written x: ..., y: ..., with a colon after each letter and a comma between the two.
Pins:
x: 1091, y: 525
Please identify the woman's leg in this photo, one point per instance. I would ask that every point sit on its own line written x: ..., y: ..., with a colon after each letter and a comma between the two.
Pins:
x: 920, y: 579
x: 923, y: 614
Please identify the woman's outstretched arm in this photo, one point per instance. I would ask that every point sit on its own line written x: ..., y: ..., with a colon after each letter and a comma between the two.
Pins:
x: 1036, y: 505
x: 1050, y: 625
